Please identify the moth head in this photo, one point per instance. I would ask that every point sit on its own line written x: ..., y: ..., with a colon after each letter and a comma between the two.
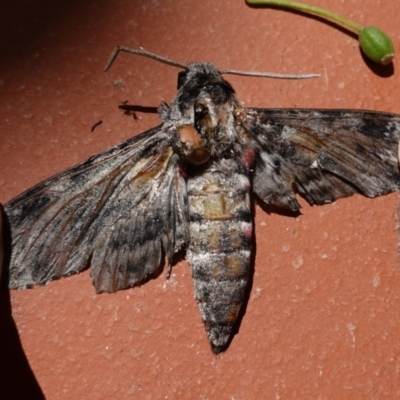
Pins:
x: 197, y: 78
x: 203, y: 112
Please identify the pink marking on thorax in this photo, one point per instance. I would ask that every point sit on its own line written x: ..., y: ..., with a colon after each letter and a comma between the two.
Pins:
x: 248, y: 158
x: 182, y: 172
x: 247, y: 229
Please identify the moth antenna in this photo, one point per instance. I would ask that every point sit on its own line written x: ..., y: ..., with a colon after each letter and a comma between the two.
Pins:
x: 269, y: 74
x: 141, y: 52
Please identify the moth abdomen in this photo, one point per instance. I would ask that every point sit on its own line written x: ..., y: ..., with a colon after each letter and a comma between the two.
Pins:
x: 220, y: 247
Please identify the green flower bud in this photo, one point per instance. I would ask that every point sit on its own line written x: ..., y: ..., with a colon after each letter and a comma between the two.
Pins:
x: 376, y: 45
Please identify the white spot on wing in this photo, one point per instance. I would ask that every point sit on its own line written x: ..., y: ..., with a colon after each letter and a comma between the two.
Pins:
x: 314, y: 164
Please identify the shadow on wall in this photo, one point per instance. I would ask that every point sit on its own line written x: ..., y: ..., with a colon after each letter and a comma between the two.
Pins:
x: 17, y: 380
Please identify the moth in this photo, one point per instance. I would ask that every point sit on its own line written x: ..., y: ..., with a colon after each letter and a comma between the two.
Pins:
x: 189, y: 183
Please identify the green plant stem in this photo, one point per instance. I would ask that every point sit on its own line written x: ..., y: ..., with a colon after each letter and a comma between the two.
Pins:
x: 307, y: 8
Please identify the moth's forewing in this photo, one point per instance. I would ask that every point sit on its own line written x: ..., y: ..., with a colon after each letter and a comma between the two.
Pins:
x: 323, y: 154
x: 117, y: 210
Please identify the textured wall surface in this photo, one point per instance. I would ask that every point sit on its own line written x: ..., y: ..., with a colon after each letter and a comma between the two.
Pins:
x: 323, y: 317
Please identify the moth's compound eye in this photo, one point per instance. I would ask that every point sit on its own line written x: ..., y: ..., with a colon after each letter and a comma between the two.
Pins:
x: 199, y: 111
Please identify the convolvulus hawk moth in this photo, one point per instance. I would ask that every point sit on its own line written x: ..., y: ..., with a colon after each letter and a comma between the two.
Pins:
x: 189, y: 184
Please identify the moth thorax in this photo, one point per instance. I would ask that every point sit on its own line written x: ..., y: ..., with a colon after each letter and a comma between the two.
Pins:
x: 193, y: 146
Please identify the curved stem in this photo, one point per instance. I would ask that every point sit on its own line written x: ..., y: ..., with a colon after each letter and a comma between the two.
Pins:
x: 311, y: 9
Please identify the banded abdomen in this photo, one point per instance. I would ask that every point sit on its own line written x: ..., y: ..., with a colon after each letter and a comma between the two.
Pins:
x: 220, y: 245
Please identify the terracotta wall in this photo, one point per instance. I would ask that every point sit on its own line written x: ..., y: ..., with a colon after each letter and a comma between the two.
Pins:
x: 322, y: 320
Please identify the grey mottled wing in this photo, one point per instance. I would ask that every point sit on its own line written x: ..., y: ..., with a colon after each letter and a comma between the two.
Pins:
x: 323, y: 154
x: 118, y: 211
